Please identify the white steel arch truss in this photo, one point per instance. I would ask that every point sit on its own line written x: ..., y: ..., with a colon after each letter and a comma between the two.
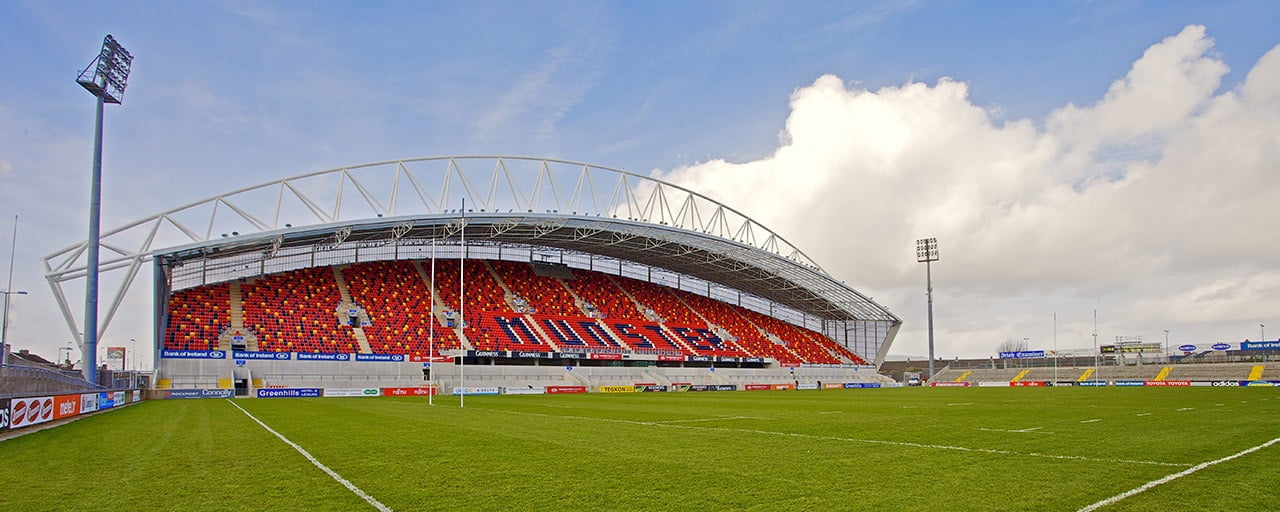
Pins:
x: 563, y: 194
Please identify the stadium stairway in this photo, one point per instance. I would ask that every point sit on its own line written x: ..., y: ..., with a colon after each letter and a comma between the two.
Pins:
x: 1256, y: 372
x: 1164, y: 372
x: 1088, y: 372
x: 1020, y: 375
x: 357, y: 331
x: 963, y: 376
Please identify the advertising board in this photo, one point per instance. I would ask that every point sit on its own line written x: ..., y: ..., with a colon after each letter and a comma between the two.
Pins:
x: 713, y: 387
x: 757, y: 387
x: 4, y: 413
x: 562, y: 390
x: 1130, y: 383
x: 349, y: 392
x: 408, y: 391
x: 1092, y: 383
x: 289, y: 392
x: 199, y: 393
x: 476, y: 391
x: 88, y: 402
x: 193, y: 354
x: 1260, y: 345
x: 1166, y: 383
x: 808, y: 385
x: 381, y: 358
x: 949, y: 384
x: 861, y: 385
x: 616, y: 389
x: 270, y: 356
x: 312, y: 356
x: 650, y: 388
x: 65, y: 406
x: 524, y: 390
x: 993, y: 384
x: 24, y: 412
x: 1027, y: 384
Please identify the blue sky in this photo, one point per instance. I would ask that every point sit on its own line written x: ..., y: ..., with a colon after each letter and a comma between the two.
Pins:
x: 229, y: 94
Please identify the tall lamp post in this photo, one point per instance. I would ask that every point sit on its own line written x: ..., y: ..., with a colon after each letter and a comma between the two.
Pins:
x: 105, y: 77
x: 4, y: 330
x: 927, y: 253
x: 1168, y: 356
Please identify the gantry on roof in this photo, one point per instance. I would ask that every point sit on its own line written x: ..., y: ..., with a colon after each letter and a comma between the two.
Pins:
x: 572, y: 207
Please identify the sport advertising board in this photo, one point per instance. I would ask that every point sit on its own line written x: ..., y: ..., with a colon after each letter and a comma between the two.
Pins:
x: 757, y: 387
x: 650, y: 388
x: 270, y: 356
x: 340, y: 392
x: 4, y: 413
x: 289, y: 393
x: 106, y: 401
x: 24, y: 412
x: 193, y: 354
x: 808, y: 385
x: 616, y: 389
x: 993, y: 384
x: 1027, y: 384
x: 1092, y: 383
x: 1260, y: 345
x: 949, y: 384
x: 861, y: 385
x: 562, y: 390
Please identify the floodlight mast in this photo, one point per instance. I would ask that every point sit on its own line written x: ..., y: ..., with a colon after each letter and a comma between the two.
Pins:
x: 106, y: 78
x: 927, y: 253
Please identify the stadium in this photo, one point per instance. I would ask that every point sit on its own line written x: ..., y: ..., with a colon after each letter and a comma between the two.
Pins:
x: 485, y: 272
x: 546, y: 340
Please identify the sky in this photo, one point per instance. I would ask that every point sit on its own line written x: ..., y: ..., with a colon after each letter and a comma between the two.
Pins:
x: 1117, y: 157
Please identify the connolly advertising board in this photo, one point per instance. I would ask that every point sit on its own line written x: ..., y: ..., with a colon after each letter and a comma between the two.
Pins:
x: 289, y: 392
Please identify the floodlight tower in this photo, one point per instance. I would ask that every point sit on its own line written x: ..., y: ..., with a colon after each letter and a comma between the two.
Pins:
x: 105, y: 78
x: 927, y: 253
x: 4, y: 327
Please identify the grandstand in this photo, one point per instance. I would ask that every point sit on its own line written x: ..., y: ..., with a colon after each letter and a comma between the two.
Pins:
x: 543, y: 272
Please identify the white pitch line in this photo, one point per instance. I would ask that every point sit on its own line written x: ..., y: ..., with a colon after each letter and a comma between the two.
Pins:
x: 1095, y: 420
x: 718, y: 418
x: 1186, y: 409
x: 960, y: 403
x: 1175, y: 476
x: 850, y: 439
x: 829, y: 412
x: 1013, y: 431
x: 1144, y: 414
x: 345, y: 483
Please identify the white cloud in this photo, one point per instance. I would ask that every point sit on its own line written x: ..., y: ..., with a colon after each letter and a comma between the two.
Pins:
x: 1151, y: 203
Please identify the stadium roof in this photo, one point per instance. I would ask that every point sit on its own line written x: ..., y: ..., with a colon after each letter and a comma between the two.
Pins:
x: 570, y: 206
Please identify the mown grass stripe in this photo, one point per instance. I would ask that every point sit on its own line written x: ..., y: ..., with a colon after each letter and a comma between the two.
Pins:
x: 345, y: 483
x: 848, y: 439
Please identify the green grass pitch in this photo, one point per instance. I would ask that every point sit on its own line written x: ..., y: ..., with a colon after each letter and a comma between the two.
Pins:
x: 887, y: 449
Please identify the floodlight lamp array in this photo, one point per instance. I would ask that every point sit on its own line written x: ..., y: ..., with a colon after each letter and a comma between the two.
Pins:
x: 108, y: 75
x: 926, y: 250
